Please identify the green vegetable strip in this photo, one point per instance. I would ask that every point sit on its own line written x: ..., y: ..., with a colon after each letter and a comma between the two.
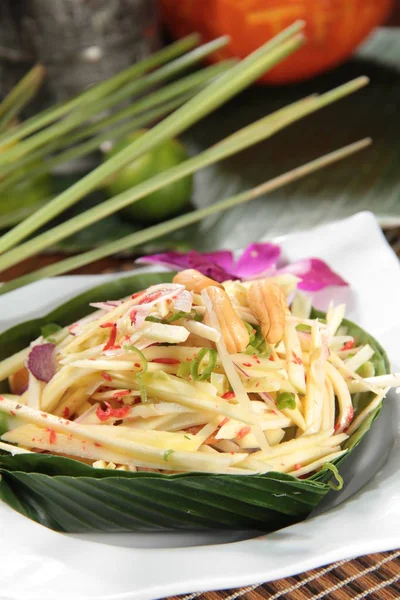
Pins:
x: 89, y: 145
x: 164, y: 100
x: 48, y: 330
x: 167, y: 454
x: 242, y: 139
x: 100, y: 90
x: 184, y: 315
x: 135, y: 87
x: 183, y: 370
x: 195, y: 364
x: 139, y: 376
x: 331, y: 467
x: 20, y: 95
x: 215, y: 94
x: 169, y: 92
x: 177, y: 223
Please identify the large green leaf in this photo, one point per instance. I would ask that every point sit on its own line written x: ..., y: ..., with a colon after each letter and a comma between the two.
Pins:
x: 67, y: 495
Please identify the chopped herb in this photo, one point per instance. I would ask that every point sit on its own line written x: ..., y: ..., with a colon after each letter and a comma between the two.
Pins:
x: 183, y: 370
x: 303, y: 327
x: 154, y: 319
x: 139, y: 376
x: 285, y: 400
x: 183, y: 315
x: 195, y: 364
x: 367, y: 369
x: 167, y: 454
x: 175, y: 317
x: 263, y: 350
x: 252, y: 331
x: 187, y: 437
x: 48, y: 330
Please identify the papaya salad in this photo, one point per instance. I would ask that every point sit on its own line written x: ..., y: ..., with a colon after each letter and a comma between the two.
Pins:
x: 195, y: 375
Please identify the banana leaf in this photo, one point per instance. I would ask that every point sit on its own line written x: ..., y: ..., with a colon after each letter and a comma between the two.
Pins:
x: 69, y: 496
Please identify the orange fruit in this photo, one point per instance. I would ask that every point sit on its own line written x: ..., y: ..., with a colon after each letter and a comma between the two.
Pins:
x: 334, y: 28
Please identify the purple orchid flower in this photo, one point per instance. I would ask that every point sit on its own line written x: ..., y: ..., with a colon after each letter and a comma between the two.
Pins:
x: 256, y: 260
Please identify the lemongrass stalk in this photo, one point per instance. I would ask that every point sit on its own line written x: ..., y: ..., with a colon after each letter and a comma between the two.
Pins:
x: 248, y: 136
x: 88, y: 146
x: 88, y: 111
x: 165, y: 94
x: 177, y: 223
x: 177, y: 89
x: 267, y: 127
x: 101, y: 89
x: 20, y: 95
x: 12, y: 218
x: 230, y: 83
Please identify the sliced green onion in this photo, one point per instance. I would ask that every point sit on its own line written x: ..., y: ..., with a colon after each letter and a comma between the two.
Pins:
x: 195, y: 364
x: 252, y: 331
x: 339, y: 479
x: 285, y: 400
x: 167, y: 454
x: 262, y: 350
x: 154, y: 319
x: 251, y: 350
x: 366, y: 370
x: 182, y: 315
x: 175, y: 317
x: 49, y: 329
x: 184, y: 370
x: 302, y: 327
x: 139, y: 376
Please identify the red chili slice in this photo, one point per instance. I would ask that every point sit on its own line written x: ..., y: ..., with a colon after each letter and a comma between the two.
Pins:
x: 113, y: 336
x: 228, y: 395
x: 244, y: 431
x: 349, y: 345
x: 52, y: 435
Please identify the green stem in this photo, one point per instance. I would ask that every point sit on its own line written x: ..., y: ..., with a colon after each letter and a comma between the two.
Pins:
x: 162, y: 229
x: 20, y: 95
x: 173, y: 90
x: 100, y: 90
x: 88, y: 111
x: 192, y: 83
x: 243, y: 138
x: 215, y: 94
x: 32, y: 170
x: 115, y: 133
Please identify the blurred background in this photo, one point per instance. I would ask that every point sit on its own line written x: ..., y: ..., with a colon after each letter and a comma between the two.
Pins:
x: 83, y: 42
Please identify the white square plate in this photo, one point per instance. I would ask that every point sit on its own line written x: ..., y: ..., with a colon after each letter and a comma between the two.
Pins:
x: 39, y: 564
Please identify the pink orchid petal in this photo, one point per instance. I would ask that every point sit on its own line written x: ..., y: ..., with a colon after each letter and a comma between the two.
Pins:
x: 212, y: 264
x: 314, y: 274
x: 256, y: 259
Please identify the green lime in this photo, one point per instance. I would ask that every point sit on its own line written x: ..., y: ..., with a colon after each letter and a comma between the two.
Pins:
x: 159, y: 205
x: 22, y: 199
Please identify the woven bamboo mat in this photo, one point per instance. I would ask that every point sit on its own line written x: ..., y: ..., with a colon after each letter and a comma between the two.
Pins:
x: 376, y: 577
